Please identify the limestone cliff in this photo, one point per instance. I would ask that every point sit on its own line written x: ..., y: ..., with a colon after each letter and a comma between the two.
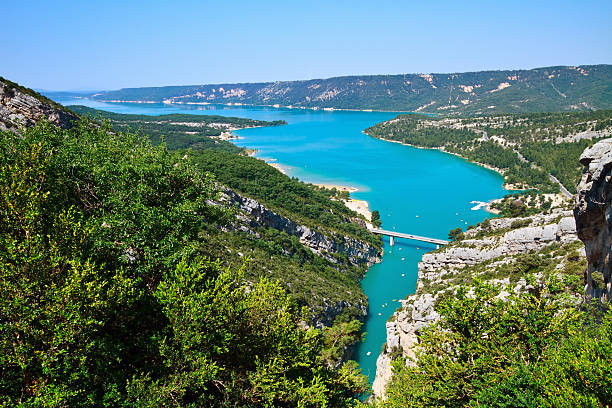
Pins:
x: 22, y: 107
x: 256, y: 214
x: 593, y: 212
x: 489, y: 252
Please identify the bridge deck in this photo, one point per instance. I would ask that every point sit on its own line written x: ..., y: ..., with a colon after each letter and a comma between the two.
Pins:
x: 409, y: 236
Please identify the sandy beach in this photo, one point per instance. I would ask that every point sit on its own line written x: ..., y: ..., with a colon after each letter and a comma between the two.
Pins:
x: 338, y: 187
x: 277, y: 167
x: 359, y: 206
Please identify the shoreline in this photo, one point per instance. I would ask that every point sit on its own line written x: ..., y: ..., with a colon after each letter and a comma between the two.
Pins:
x: 359, y: 206
x: 487, y: 207
x: 441, y: 149
x: 505, y: 186
x: 337, y: 187
x: 276, y: 106
x: 277, y: 167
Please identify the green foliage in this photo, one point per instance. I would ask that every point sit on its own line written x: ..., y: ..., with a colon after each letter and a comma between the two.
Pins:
x: 313, y: 206
x: 518, y: 205
x: 337, y: 340
x: 311, y: 280
x: 558, y: 159
x: 376, y: 218
x: 455, y: 234
x: 528, y: 350
x: 520, y: 223
x: 106, y: 302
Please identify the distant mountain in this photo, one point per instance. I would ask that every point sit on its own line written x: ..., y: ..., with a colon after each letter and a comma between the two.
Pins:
x: 559, y: 88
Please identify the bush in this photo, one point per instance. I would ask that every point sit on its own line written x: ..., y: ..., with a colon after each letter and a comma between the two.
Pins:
x: 529, y: 350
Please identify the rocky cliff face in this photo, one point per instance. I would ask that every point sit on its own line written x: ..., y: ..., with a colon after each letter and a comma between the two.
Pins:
x: 20, y: 107
x: 256, y: 214
x: 483, y: 251
x: 593, y: 212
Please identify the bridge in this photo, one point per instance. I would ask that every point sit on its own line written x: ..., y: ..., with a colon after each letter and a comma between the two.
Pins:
x: 393, y: 234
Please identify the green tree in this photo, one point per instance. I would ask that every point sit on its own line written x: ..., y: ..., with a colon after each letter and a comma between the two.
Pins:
x: 455, y: 234
x: 105, y: 300
x: 376, y: 218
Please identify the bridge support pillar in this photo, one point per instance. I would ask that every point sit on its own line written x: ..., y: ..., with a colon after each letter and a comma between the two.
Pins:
x: 391, y: 240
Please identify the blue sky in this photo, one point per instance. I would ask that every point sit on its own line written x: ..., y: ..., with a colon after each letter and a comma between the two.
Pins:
x: 68, y: 45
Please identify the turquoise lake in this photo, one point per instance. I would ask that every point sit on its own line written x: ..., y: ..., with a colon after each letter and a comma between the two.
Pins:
x: 421, y: 192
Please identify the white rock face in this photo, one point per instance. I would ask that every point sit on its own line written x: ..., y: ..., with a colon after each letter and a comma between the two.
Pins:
x: 593, y: 212
x: 418, y: 310
x: 256, y: 214
x: 543, y: 231
x: 19, y: 109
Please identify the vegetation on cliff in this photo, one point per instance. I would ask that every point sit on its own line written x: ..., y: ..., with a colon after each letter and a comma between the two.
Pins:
x: 518, y: 350
x: 313, y: 206
x: 107, y: 299
x: 498, y: 319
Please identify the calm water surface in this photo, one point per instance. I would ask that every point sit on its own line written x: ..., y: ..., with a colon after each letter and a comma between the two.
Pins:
x: 422, y: 192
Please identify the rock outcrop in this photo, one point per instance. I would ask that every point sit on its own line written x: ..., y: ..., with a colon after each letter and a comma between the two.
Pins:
x: 255, y: 214
x: 21, y: 107
x: 440, y: 270
x: 593, y: 212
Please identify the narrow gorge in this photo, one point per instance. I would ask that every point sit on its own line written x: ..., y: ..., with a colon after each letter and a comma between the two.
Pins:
x: 574, y: 246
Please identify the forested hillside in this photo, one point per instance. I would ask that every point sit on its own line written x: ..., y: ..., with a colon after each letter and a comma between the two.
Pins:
x: 327, y: 281
x: 109, y: 298
x: 546, y: 89
x: 526, y: 148
x: 178, y: 131
x: 131, y: 276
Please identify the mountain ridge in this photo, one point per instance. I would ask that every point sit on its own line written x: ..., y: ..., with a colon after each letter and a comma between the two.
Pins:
x: 557, y: 88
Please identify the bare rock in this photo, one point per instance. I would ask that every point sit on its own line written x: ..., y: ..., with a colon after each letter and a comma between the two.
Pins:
x: 593, y: 213
x: 19, y: 108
